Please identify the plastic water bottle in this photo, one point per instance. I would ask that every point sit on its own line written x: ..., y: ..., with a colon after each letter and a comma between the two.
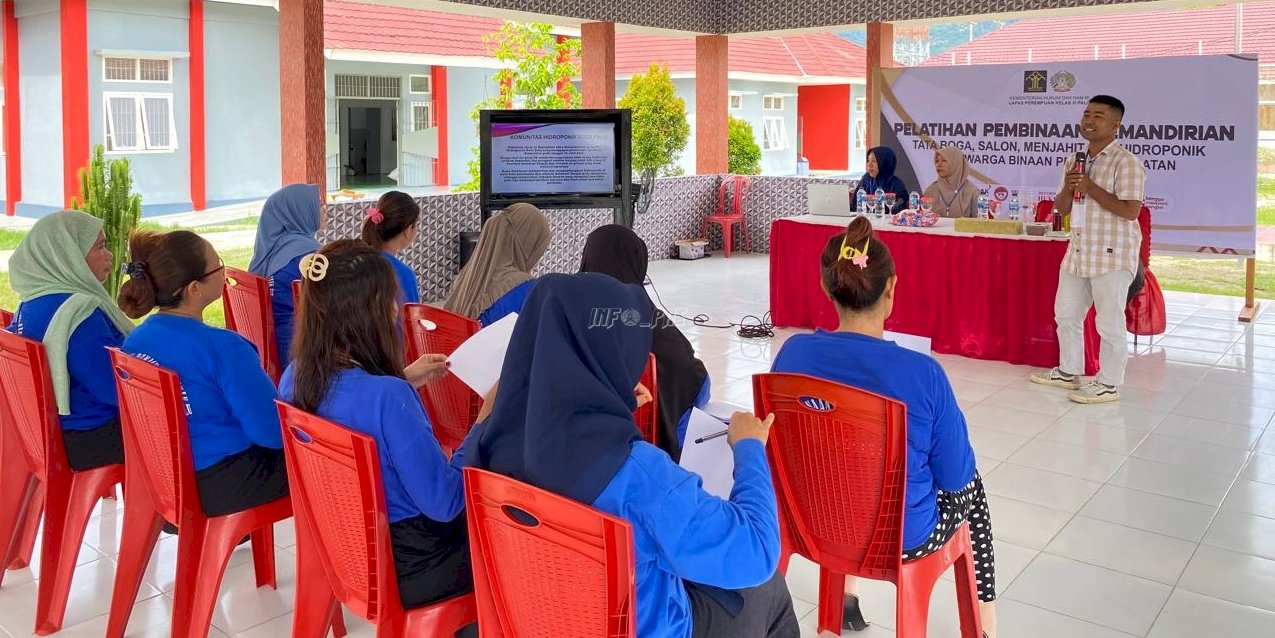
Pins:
x: 1015, y: 207
x: 881, y: 202
x: 860, y: 199
x: 984, y: 209
x: 914, y: 201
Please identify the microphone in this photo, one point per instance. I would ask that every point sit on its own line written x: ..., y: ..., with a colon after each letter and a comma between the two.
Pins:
x: 1078, y: 166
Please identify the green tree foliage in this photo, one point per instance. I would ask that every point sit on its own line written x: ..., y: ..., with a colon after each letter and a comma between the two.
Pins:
x: 534, y: 63
x: 743, y: 153
x: 106, y: 192
x: 660, y: 128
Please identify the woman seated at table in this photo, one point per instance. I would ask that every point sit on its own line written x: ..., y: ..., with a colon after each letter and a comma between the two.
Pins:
x: 880, y: 175
x: 497, y: 278
x: 683, y: 381
x: 562, y: 420
x: 290, y: 219
x: 952, y: 194
x: 58, y: 271
x: 349, y: 369
x: 390, y: 227
x: 944, y: 488
x: 235, y: 441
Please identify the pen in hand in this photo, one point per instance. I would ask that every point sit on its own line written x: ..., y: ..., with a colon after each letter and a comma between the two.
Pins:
x: 711, y: 436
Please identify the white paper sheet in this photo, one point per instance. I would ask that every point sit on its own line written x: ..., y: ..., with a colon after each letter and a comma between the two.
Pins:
x: 911, y: 342
x: 723, y: 411
x: 478, y: 361
x: 712, y: 459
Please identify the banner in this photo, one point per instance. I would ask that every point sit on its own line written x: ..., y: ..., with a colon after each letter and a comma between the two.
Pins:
x: 1191, y: 120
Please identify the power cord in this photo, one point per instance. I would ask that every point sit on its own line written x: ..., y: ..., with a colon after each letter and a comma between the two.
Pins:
x: 749, y: 326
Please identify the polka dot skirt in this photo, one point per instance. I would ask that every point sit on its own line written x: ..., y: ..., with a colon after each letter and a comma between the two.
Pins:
x: 955, y: 508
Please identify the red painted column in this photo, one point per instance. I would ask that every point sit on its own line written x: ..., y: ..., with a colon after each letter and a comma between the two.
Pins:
x: 75, y: 94
x: 12, y: 112
x: 198, y: 145
x: 711, y: 67
x: 438, y: 82
x: 597, y: 64
x: 301, y: 99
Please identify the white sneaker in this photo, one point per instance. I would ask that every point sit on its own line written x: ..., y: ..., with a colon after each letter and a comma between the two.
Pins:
x: 1056, y: 378
x: 1095, y: 392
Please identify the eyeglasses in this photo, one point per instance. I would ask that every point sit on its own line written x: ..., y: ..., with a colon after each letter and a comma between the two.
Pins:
x: 221, y: 265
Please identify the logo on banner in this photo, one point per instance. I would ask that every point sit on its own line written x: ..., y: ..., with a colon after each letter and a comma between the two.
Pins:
x: 1034, y: 81
x: 1000, y: 193
x: 1063, y: 81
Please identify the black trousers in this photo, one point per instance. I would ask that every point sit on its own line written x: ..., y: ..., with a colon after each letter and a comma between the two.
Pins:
x: 99, y: 447
x: 766, y: 612
x: 243, y: 481
x: 431, y: 560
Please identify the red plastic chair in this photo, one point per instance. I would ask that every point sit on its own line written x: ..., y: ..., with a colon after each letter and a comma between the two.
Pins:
x: 648, y: 416
x: 42, y: 480
x: 6, y: 318
x: 739, y: 185
x: 1044, y: 208
x: 545, y: 565
x: 838, y: 457
x: 246, y: 302
x: 344, y: 555
x: 451, y: 406
x: 12, y: 472
x: 160, y: 486
x: 296, y: 295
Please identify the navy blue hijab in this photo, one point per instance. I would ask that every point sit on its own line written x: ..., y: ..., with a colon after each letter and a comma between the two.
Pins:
x: 885, y: 179
x: 563, y: 416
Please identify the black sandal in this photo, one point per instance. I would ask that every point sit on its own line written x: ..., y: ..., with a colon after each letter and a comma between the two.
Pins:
x: 851, y: 617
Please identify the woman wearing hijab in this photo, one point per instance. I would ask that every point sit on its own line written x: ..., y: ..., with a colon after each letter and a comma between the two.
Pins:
x: 683, y: 381
x: 497, y: 278
x: 58, y: 271
x: 952, y: 194
x: 705, y: 566
x: 880, y: 175
x: 285, y: 234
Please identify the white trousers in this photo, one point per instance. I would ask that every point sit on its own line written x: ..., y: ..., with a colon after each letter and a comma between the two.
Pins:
x: 1106, y: 292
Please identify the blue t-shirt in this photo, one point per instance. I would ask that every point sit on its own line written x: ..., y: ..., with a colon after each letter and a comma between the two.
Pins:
x: 92, y: 388
x: 229, y: 399
x: 682, y: 533
x: 939, y: 453
x: 508, y: 303
x: 417, y: 476
x: 409, y: 291
x: 281, y: 304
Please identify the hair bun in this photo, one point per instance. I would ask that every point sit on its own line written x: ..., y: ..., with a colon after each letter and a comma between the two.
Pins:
x: 859, y: 231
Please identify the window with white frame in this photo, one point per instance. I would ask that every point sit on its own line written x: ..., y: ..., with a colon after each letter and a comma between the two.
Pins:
x: 860, y: 105
x: 772, y: 103
x: 422, y: 116
x: 139, y: 122
x: 860, y: 134
x: 736, y: 101
x: 159, y: 70
x: 419, y: 84
x: 774, y: 134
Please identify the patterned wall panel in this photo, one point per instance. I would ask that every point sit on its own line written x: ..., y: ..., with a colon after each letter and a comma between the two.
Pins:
x: 677, y: 211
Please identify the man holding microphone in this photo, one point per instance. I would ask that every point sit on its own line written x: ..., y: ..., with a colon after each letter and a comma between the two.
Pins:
x: 1102, y: 190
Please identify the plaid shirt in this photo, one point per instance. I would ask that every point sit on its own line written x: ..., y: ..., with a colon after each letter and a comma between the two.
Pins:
x: 1106, y: 241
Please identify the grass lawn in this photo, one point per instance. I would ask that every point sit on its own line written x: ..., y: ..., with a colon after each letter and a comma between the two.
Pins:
x: 9, y: 239
x: 1212, y: 276
x: 1265, y: 187
x: 238, y: 258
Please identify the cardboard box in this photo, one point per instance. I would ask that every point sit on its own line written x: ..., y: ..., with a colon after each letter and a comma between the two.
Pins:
x: 691, y: 248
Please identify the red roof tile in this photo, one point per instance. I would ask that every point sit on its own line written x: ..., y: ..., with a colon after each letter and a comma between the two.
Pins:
x: 1115, y: 35
x: 366, y: 27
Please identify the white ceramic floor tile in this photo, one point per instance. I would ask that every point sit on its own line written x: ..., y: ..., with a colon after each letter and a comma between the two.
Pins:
x: 242, y: 605
x: 1020, y: 619
x: 1093, y: 594
x: 1261, y: 468
x: 1033, y: 398
x: 1192, y: 343
x: 151, y: 618
x: 1238, y: 578
x: 1081, y: 462
x: 1030, y: 485
x: 1124, y: 549
x: 88, y: 599
x: 1204, y: 457
x: 973, y: 391
x: 995, y: 444
x: 1243, y: 533
x: 1175, y: 481
x: 1117, y: 415
x: 1200, y: 403
x: 1251, y: 497
x: 1025, y: 524
x: 1208, y: 431
x: 1018, y: 422
x: 1150, y: 512
x: 1190, y: 615
x: 1118, y: 440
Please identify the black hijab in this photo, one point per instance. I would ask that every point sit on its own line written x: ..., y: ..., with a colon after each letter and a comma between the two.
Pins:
x: 563, y: 414
x: 618, y: 251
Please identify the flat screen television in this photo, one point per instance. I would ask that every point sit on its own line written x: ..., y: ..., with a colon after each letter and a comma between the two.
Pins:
x: 577, y: 158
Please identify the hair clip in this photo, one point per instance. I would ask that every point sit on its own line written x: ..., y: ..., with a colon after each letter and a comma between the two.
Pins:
x: 134, y: 268
x: 314, y: 267
x: 857, y: 256
x: 375, y: 215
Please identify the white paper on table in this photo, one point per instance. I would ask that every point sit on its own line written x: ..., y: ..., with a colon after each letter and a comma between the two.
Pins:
x: 477, y: 362
x: 713, y: 459
x: 723, y: 411
x: 911, y: 342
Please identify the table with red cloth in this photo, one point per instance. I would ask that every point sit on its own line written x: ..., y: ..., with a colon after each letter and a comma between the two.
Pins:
x: 980, y: 296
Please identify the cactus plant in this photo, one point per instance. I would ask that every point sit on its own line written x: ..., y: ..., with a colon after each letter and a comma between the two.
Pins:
x: 106, y: 192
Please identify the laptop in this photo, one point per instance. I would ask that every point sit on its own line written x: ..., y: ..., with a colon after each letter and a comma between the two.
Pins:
x: 829, y: 199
